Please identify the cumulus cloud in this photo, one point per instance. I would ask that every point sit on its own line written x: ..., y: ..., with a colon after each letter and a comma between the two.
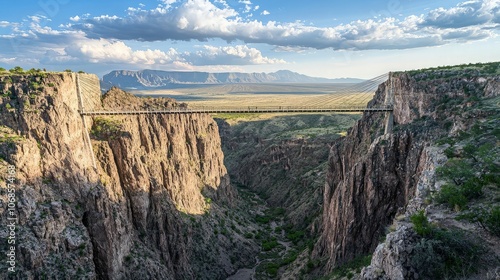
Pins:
x: 106, y: 39
x: 105, y: 51
x: 265, y: 13
x: 4, y: 23
x: 464, y: 14
x: 230, y: 55
x: 202, y: 20
x: 44, y: 45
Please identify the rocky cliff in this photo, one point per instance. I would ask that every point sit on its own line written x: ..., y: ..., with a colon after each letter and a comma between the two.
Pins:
x: 137, y: 213
x: 372, y: 177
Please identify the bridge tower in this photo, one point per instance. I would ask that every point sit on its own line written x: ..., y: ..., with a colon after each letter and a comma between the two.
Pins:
x: 389, y: 102
x: 76, y: 78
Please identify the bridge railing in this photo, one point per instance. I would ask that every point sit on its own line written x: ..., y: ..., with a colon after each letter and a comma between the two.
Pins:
x: 248, y: 109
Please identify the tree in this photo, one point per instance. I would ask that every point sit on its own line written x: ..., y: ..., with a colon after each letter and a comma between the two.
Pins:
x: 17, y: 70
x: 2, y: 69
x: 457, y: 170
x: 33, y: 71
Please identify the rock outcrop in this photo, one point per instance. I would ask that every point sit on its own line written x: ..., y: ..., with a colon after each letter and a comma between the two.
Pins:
x: 283, y: 159
x: 372, y: 177
x: 137, y: 213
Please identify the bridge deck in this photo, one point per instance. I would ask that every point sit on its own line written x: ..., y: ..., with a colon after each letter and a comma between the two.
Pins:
x: 238, y: 110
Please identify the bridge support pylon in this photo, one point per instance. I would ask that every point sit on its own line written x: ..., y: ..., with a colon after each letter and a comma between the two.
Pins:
x: 389, y: 102
x: 389, y: 122
x: 81, y: 108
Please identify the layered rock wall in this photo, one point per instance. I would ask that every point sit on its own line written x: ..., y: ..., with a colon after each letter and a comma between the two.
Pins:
x: 371, y: 176
x: 121, y: 220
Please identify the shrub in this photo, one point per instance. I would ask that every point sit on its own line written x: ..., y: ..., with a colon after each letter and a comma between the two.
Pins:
x: 347, y: 269
x: 457, y: 170
x: 272, y: 269
x: 449, y: 152
x: 289, y: 259
x: 269, y: 245
x: 472, y: 188
x: 295, y: 236
x: 445, y: 255
x: 105, y: 129
x: 451, y: 195
x: 17, y: 70
x: 488, y: 218
x: 421, y: 224
x: 262, y: 219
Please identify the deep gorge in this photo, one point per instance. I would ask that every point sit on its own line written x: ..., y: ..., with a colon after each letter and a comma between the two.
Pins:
x: 189, y: 197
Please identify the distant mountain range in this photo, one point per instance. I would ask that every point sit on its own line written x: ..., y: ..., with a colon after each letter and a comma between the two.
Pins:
x: 155, y: 79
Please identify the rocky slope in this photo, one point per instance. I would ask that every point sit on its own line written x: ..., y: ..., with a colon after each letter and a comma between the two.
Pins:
x: 372, y: 177
x: 282, y: 159
x: 148, y: 209
x: 151, y: 79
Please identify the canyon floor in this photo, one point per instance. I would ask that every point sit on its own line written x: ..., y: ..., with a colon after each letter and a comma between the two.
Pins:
x: 277, y: 163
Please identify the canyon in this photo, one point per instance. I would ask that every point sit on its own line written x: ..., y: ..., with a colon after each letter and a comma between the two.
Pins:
x: 184, y: 196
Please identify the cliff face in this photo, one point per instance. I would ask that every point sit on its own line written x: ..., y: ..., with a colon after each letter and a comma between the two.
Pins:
x: 371, y: 176
x: 127, y: 217
x: 283, y: 159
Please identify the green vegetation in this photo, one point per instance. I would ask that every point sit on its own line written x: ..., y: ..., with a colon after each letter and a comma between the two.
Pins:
x: 106, y: 128
x: 295, y: 236
x: 245, y: 116
x: 270, y: 214
x: 208, y: 200
x: 17, y: 70
x: 472, y: 173
x: 262, y: 219
x: 8, y: 136
x: 35, y: 72
x: 465, y: 187
x: 421, y: 224
x: 463, y: 70
x: 272, y: 269
x: 441, y: 253
x: 486, y: 216
x: 347, y: 270
x: 269, y: 244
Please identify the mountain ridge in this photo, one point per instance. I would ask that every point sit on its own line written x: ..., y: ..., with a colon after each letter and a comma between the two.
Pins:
x: 155, y: 79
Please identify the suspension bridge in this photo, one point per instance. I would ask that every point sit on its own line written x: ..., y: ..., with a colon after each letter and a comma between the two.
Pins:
x: 354, y: 98
x: 350, y: 99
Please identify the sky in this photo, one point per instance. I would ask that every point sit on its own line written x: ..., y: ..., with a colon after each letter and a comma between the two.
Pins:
x: 324, y: 38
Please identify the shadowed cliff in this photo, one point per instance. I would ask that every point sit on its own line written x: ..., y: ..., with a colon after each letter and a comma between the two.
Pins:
x: 372, y: 177
x: 147, y: 211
